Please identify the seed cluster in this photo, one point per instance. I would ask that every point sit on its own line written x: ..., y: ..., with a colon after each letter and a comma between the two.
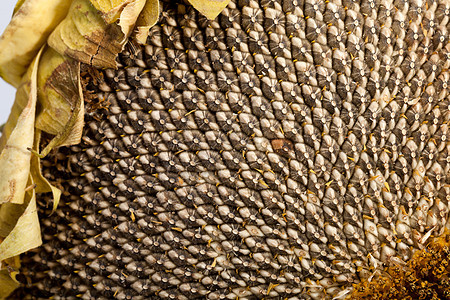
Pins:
x: 285, y: 150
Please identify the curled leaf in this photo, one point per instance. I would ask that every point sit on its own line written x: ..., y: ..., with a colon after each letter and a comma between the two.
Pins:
x: 9, y: 214
x: 129, y: 16
x: 110, y: 9
x: 42, y: 184
x: 19, y: 221
x: 210, y: 8
x: 15, y: 158
x: 19, y: 104
x: 7, y: 284
x: 26, y: 234
x: 26, y: 33
x: 18, y: 5
x: 60, y: 98
x: 85, y: 36
x: 124, y: 11
x: 52, y: 101
x: 147, y: 19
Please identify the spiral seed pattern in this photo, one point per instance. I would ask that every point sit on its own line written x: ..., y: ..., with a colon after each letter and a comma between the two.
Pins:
x: 285, y: 150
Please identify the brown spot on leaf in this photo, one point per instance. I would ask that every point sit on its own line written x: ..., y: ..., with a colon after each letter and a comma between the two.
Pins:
x: 64, y: 81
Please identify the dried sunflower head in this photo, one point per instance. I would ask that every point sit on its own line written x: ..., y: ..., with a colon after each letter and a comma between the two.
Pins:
x: 283, y: 150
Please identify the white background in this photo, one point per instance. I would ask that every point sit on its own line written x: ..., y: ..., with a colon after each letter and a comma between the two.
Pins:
x: 7, y: 92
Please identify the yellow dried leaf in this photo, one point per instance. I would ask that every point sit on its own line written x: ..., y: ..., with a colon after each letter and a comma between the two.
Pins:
x: 52, y: 102
x: 210, y: 8
x: 15, y: 158
x: 129, y: 16
x: 60, y: 97
x: 124, y: 11
x: 9, y: 214
x: 19, y: 104
x: 26, y: 234
x: 42, y: 184
x: 84, y: 36
x: 17, y: 6
x: 19, y: 223
x: 110, y: 9
x: 147, y: 19
x: 7, y: 284
x: 26, y: 33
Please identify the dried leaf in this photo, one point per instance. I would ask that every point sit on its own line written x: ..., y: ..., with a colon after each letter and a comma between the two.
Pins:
x: 129, y: 16
x: 9, y: 214
x: 60, y: 98
x: 72, y: 131
x: 23, y: 38
x: 18, y: 5
x: 124, y: 11
x: 19, y: 223
x: 26, y: 234
x: 19, y: 104
x: 42, y: 184
x: 84, y: 36
x: 52, y: 101
x: 15, y: 158
x: 147, y: 19
x: 210, y: 8
x: 7, y: 284
x: 110, y: 9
